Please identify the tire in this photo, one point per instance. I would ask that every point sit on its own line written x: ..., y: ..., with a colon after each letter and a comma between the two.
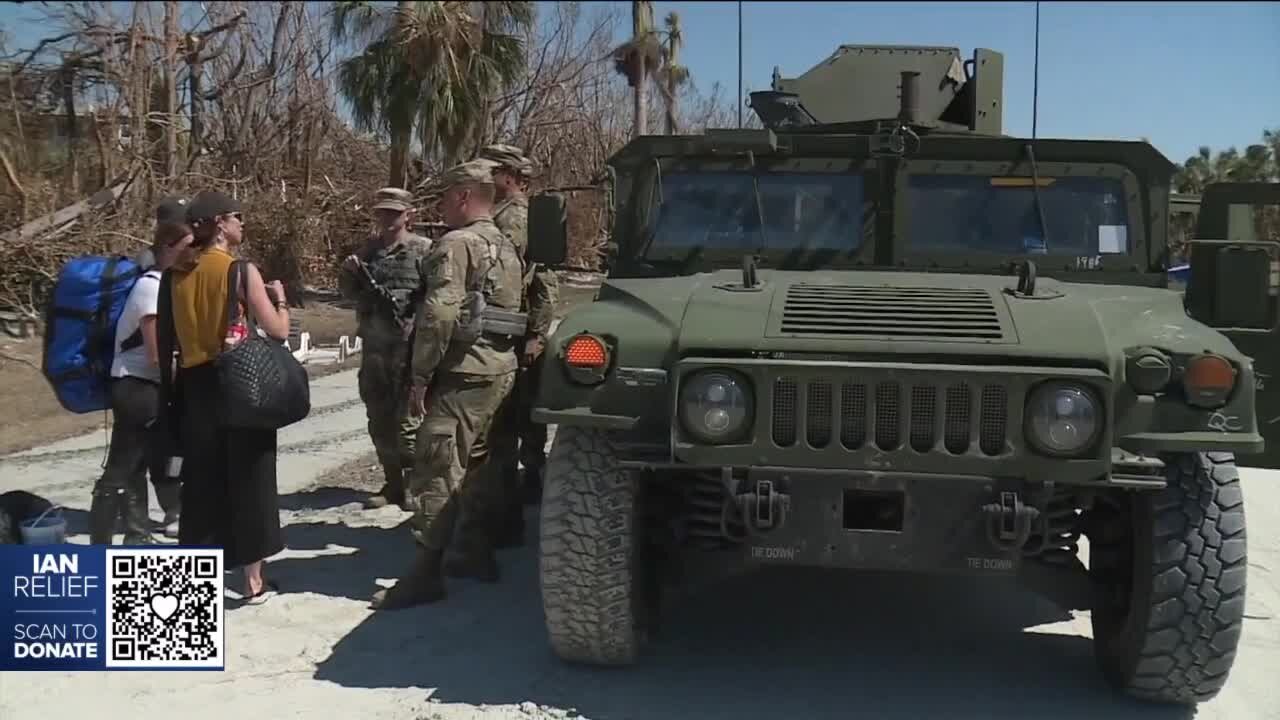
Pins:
x: 590, y: 547
x: 1176, y: 563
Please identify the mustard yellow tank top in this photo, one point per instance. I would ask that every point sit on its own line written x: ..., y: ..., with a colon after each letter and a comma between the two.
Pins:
x: 199, y: 299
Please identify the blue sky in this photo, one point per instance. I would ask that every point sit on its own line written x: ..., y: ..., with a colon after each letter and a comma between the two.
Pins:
x: 1182, y: 74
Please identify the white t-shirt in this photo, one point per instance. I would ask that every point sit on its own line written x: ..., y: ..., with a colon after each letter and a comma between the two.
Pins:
x: 143, y: 300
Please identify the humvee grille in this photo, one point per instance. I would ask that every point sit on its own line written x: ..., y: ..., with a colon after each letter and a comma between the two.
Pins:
x: 892, y: 312
x: 890, y: 415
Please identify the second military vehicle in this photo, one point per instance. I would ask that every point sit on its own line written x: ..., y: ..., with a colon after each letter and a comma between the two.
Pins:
x: 878, y: 333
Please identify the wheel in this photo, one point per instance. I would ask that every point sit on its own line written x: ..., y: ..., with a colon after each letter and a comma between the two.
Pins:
x: 1173, y: 563
x: 591, y: 560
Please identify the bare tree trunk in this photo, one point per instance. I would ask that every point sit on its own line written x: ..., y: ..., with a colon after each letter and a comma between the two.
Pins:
x: 67, y: 76
x: 18, y: 190
x: 194, y: 68
x: 171, y: 87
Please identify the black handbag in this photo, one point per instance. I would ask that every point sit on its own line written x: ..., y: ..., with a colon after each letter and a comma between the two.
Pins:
x: 261, y: 384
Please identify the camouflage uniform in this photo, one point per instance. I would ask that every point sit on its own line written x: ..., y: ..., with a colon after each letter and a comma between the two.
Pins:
x: 383, y: 379
x: 465, y: 382
x: 518, y: 440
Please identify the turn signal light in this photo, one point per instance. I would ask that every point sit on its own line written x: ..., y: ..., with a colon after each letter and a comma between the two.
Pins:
x: 1208, y: 380
x: 586, y: 351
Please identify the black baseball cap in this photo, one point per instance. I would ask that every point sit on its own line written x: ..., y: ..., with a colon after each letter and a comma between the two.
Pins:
x: 171, y: 209
x: 209, y: 204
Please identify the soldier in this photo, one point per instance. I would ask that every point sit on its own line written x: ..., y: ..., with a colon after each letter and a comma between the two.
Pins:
x: 516, y: 436
x: 464, y: 363
x: 385, y: 280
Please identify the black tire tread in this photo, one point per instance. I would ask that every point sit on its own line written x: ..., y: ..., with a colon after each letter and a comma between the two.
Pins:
x: 1197, y: 602
x: 587, y: 551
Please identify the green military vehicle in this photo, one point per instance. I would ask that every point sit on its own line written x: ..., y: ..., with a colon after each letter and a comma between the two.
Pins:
x: 878, y: 333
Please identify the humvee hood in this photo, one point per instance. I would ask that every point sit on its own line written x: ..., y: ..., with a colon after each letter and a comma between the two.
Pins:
x: 975, y: 318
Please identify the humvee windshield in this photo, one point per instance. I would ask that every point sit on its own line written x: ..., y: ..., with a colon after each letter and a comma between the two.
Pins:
x: 1085, y: 216
x: 719, y: 211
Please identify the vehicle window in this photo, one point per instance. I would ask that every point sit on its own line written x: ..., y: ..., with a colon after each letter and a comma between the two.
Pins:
x: 1085, y: 216
x: 1253, y: 223
x: 717, y: 210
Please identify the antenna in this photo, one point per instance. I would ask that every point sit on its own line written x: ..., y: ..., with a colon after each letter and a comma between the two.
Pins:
x: 740, y: 99
x: 1035, y: 83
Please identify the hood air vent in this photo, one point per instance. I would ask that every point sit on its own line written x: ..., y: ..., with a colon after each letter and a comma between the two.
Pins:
x: 893, y: 313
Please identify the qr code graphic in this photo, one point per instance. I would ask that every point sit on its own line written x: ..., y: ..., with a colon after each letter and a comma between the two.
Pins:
x: 164, y: 608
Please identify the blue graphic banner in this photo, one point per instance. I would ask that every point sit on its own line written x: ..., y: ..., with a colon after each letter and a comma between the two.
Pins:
x: 95, y: 607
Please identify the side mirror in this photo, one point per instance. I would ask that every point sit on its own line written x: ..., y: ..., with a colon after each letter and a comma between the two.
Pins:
x: 1235, y: 286
x: 548, y: 229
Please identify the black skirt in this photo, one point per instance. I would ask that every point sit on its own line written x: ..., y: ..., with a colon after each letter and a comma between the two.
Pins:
x: 229, y: 492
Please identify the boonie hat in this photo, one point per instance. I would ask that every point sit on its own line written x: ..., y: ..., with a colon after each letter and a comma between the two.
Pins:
x: 392, y: 198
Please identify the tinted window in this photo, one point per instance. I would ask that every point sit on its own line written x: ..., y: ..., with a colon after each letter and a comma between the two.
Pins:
x: 957, y: 213
x: 817, y: 211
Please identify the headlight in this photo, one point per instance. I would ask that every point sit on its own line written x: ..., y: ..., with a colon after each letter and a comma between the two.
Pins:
x: 1063, y: 419
x: 715, y: 406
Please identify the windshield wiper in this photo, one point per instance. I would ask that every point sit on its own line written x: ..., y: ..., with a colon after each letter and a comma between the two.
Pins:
x: 755, y: 187
x: 1035, y: 190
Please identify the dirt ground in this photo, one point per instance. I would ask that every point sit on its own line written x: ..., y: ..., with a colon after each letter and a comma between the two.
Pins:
x: 38, y: 419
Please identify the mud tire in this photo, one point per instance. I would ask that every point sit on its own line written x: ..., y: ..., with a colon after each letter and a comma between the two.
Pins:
x: 1183, y: 555
x: 589, y: 554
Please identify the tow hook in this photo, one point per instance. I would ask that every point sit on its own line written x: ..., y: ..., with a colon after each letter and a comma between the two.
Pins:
x: 764, y: 509
x: 1009, y: 521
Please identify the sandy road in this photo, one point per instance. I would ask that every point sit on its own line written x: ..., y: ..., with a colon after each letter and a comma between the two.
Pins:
x: 774, y: 645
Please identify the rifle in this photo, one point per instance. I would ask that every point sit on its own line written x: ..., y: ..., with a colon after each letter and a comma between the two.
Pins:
x: 385, y: 298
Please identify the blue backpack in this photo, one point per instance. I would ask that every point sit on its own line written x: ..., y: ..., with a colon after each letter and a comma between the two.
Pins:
x: 80, y: 328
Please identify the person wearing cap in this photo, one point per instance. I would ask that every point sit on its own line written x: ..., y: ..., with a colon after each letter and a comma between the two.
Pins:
x: 460, y: 375
x: 384, y: 278
x: 518, y: 440
x: 229, y: 490
x: 137, y: 446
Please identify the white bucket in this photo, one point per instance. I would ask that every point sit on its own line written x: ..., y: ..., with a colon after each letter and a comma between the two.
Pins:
x: 45, y: 529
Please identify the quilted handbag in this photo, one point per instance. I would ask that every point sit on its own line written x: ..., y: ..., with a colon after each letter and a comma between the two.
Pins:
x: 262, y: 385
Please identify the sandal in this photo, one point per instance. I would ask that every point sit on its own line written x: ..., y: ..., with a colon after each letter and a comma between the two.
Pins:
x: 269, y: 590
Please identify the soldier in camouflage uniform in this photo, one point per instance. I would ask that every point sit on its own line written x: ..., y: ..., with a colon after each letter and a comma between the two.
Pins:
x: 517, y: 438
x: 460, y: 375
x: 385, y: 280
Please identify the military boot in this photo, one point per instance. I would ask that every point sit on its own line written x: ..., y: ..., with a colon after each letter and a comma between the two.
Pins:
x: 475, y: 558
x: 422, y: 585
x: 392, y: 492
x: 509, y: 532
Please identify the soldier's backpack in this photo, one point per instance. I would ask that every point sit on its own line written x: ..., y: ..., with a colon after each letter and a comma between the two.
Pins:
x: 80, y: 328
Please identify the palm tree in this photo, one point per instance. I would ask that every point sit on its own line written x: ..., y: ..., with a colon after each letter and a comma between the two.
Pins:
x: 430, y: 67
x: 638, y: 58
x: 672, y: 74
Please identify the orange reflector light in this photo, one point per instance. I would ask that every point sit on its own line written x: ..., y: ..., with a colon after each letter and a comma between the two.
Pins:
x: 1209, y: 377
x: 586, y: 351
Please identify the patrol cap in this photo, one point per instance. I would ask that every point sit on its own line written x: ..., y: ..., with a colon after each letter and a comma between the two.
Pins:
x: 392, y: 198
x: 478, y: 171
x: 172, y: 209
x: 208, y: 204
x: 508, y: 156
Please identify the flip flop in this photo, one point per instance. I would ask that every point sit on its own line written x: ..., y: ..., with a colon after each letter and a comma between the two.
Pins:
x: 269, y: 590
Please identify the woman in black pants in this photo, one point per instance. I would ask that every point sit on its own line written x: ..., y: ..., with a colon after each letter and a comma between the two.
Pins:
x: 229, y: 495
x: 137, y: 448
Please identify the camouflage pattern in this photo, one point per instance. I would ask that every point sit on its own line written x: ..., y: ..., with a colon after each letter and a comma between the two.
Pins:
x: 384, y: 372
x: 453, y: 449
x: 466, y: 383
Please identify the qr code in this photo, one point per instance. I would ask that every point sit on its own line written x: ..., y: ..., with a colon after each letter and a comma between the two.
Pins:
x: 164, y: 608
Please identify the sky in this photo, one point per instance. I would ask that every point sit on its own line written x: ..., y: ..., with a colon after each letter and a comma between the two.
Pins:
x: 1181, y: 74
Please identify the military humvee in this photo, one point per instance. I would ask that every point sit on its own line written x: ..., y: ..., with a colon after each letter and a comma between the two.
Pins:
x: 878, y: 333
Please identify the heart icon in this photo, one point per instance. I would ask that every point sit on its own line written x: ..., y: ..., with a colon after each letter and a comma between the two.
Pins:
x: 164, y: 605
